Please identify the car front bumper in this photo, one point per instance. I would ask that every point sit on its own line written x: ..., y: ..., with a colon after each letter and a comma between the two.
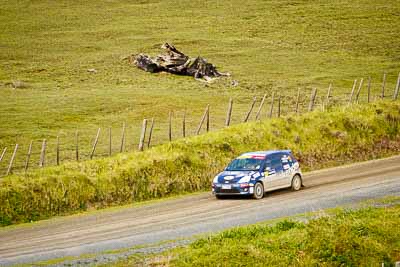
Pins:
x: 234, y: 190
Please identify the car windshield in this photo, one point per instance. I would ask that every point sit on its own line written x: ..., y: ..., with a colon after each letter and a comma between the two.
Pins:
x: 245, y: 164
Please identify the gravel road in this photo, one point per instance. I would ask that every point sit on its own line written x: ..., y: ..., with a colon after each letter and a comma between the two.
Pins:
x: 196, y: 214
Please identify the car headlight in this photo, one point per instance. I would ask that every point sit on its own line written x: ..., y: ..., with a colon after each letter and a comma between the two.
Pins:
x: 215, y: 181
x: 245, y: 179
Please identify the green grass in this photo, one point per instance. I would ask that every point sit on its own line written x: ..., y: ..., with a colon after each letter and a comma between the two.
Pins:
x: 265, y: 45
x: 51, y: 262
x: 318, y: 139
x: 66, y: 261
x: 368, y: 236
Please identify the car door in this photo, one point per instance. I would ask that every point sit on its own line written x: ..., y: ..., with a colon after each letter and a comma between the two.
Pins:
x: 273, y: 172
x: 287, y: 163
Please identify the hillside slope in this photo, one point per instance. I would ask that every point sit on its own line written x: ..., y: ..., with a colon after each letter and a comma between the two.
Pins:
x: 266, y: 45
x: 317, y: 139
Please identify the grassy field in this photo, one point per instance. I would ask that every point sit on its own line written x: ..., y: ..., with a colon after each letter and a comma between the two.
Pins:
x: 265, y: 45
x: 318, y: 139
x: 343, y: 237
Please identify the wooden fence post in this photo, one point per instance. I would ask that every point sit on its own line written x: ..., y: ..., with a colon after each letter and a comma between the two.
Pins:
x: 109, y: 142
x: 202, y: 120
x: 229, y: 113
x: 170, y: 126
x: 298, y: 100
x: 383, y: 85
x: 12, y: 160
x: 352, y: 91
x: 28, y: 156
x: 369, y: 90
x: 143, y: 135
x: 260, y: 107
x: 95, y: 144
x: 150, y: 132
x: 359, y: 89
x: 312, y: 99
x: 3, y: 153
x: 208, y: 121
x: 184, y: 124
x: 250, y: 110
x: 77, y: 145
x: 272, y: 105
x: 42, y: 154
x: 122, y: 138
x: 328, y: 96
x: 279, y: 106
x: 58, y: 151
x: 396, y: 90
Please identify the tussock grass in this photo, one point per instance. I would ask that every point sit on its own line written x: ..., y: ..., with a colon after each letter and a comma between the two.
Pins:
x: 318, y: 139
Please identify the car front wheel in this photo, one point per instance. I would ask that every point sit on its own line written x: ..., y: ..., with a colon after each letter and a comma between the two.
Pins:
x: 258, y: 191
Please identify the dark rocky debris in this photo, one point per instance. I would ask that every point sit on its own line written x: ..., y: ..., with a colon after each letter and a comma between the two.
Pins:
x: 176, y: 62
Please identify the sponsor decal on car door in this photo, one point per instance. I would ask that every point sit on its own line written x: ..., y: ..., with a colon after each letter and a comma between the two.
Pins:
x: 287, y: 164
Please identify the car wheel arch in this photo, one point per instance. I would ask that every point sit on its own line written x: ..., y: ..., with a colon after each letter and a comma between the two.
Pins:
x: 301, y: 178
x: 261, y: 181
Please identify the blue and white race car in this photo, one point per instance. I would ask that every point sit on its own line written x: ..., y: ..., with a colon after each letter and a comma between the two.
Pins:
x: 255, y: 173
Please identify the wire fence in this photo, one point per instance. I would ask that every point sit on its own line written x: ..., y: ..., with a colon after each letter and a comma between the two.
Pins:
x: 107, y: 141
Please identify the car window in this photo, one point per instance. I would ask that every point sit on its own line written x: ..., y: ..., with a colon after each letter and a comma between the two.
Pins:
x: 294, y: 160
x: 267, y: 164
x: 276, y: 163
x: 288, y: 159
x: 245, y: 164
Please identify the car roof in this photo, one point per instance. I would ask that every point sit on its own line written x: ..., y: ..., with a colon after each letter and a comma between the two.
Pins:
x: 265, y: 153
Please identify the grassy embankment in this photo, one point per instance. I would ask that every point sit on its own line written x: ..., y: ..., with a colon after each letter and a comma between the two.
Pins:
x: 266, y: 45
x: 318, y: 139
x: 369, y: 236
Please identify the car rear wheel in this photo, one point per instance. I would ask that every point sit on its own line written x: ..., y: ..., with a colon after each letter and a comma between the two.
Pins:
x: 219, y: 197
x: 258, y: 191
x: 296, y: 183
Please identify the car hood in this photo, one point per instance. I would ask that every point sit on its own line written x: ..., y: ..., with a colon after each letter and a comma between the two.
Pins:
x: 234, y: 176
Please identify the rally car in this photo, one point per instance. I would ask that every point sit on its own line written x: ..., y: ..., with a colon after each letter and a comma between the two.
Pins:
x: 255, y: 173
